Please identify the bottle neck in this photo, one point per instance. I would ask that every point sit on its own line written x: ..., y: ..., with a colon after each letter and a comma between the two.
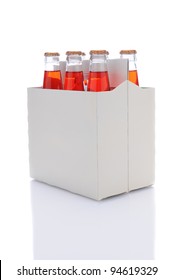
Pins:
x: 132, y: 61
x: 98, y: 63
x: 52, y: 63
x: 74, y: 63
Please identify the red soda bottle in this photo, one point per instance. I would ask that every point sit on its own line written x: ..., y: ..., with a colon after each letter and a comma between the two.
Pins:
x: 52, y: 74
x: 74, y: 79
x: 133, y: 73
x: 98, y: 79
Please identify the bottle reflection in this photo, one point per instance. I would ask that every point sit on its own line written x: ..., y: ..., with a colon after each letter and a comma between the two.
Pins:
x: 68, y: 226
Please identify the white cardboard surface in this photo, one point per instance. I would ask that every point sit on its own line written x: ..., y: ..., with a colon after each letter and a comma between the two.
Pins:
x: 112, y: 142
x: 96, y: 144
x: 141, y: 136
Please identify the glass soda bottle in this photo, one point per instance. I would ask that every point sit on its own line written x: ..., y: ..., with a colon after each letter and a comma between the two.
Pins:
x: 133, y: 73
x: 98, y: 79
x: 74, y: 79
x: 52, y: 73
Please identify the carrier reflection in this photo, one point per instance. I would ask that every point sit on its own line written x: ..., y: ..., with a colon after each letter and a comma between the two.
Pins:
x: 68, y: 226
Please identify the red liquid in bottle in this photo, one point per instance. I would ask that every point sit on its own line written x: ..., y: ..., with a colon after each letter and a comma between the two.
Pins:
x: 52, y: 80
x: 74, y: 81
x: 133, y: 77
x: 98, y: 81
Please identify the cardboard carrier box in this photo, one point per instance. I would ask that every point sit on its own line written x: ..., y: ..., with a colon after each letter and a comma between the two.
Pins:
x: 96, y: 144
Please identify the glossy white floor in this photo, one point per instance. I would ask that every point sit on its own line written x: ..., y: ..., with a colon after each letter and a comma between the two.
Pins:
x: 122, y: 227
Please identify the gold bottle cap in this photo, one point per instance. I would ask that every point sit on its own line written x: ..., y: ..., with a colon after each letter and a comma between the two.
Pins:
x: 51, y: 54
x: 128, y: 52
x: 75, y: 53
x: 99, y: 52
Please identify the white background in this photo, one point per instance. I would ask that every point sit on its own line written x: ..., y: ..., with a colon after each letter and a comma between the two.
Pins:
x: 29, y: 211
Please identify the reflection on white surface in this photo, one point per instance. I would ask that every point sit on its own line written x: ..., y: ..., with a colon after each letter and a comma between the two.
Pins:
x: 69, y: 226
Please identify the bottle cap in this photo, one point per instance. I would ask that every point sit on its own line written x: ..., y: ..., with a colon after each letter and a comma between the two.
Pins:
x: 51, y: 54
x: 75, y: 53
x: 128, y: 52
x: 99, y: 52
